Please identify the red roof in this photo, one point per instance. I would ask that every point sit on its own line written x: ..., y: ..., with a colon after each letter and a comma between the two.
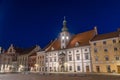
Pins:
x: 82, y: 38
x: 106, y: 36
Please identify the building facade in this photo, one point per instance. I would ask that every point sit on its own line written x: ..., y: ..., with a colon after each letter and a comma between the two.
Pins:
x: 17, y: 59
x: 105, y: 52
x: 40, y: 62
x: 69, y: 53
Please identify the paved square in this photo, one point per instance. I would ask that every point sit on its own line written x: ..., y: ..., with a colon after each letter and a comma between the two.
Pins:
x: 36, y: 76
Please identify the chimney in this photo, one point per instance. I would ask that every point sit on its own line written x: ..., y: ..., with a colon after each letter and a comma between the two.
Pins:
x: 95, y: 28
x: 118, y: 30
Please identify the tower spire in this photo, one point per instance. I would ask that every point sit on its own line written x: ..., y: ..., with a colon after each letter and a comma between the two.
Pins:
x: 64, y: 25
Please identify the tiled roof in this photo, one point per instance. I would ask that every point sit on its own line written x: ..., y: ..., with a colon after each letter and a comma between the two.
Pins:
x: 55, y: 44
x: 28, y: 50
x: 82, y: 38
x: 22, y: 51
x: 106, y: 36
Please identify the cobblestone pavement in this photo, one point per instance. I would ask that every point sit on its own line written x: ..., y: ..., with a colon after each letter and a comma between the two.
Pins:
x: 36, y: 76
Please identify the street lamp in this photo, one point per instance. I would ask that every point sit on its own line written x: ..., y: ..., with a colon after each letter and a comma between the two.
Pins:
x: 36, y: 66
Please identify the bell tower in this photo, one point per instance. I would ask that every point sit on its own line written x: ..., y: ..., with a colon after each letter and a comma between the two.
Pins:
x: 64, y: 35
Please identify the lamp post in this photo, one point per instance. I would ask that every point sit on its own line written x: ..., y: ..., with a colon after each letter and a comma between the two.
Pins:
x: 36, y: 66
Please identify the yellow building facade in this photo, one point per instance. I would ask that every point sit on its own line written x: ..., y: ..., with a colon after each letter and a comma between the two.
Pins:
x: 105, y: 52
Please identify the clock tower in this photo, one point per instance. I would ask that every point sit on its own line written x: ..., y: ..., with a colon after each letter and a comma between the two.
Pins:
x: 64, y: 35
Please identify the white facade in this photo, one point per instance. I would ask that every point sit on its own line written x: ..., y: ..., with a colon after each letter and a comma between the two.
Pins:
x: 76, y: 60
x: 66, y: 54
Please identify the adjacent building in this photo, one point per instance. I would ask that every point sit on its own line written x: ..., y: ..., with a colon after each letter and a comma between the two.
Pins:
x: 18, y: 59
x: 105, y: 52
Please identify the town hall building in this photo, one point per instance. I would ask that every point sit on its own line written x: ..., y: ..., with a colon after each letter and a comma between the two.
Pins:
x: 68, y: 53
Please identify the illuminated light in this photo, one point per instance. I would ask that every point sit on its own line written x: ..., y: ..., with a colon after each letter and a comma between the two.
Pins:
x: 63, y: 37
x: 67, y: 37
x: 36, y: 65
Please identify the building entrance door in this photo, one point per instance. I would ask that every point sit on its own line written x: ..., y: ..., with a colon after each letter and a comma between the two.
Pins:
x: 118, y: 69
x: 97, y: 68
x: 87, y: 69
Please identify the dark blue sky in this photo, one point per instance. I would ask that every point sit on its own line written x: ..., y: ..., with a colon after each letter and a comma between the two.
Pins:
x: 29, y: 22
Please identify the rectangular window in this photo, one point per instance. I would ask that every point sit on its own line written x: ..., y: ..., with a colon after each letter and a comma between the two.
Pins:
x: 115, y: 49
x: 55, y: 59
x: 117, y: 58
x: 98, y: 68
x: 105, y: 50
x: 46, y: 60
x: 78, y: 68
x: 86, y: 56
x: 77, y: 50
x: 70, y: 57
x: 96, y: 58
x: 95, y: 50
x: 50, y: 68
x: 78, y: 57
x: 106, y: 58
x: 54, y: 69
x: 70, y: 68
x: 85, y: 49
x: 108, y: 68
x: 114, y: 41
x: 50, y: 59
x: 45, y: 68
x: 104, y: 42
x: 94, y: 44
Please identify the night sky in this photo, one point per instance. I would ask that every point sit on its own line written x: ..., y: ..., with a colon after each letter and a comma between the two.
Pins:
x: 25, y: 23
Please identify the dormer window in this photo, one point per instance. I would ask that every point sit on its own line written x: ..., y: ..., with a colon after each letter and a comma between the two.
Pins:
x: 77, y: 44
x: 94, y: 44
x: 10, y: 50
x: 52, y: 48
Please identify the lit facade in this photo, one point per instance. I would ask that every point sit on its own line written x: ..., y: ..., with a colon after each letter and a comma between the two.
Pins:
x: 40, y: 62
x: 105, y: 52
x: 69, y: 53
x: 17, y: 59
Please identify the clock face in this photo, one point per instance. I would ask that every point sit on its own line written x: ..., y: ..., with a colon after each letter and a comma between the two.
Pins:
x: 63, y: 37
